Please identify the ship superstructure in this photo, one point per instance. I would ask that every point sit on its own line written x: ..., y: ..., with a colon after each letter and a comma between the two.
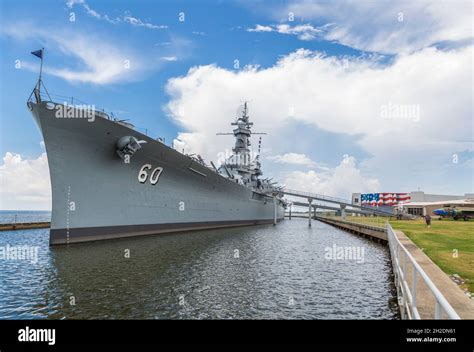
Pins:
x: 241, y: 166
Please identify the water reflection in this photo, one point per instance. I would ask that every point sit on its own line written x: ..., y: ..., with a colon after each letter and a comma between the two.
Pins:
x: 261, y: 272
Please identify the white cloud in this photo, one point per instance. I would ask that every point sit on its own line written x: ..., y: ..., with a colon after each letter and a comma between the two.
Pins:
x: 303, y: 31
x: 103, y: 62
x: 341, y: 96
x: 387, y: 26
x: 338, y: 182
x: 138, y: 22
x: 25, y: 183
x: 292, y: 158
x: 91, y: 12
x: 260, y: 28
x: 126, y: 18
x: 70, y: 3
x: 169, y: 58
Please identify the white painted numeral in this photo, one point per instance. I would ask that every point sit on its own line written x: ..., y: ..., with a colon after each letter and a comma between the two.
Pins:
x: 154, y: 177
x: 143, y: 175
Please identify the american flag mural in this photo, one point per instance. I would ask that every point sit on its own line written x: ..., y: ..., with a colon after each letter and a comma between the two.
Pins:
x: 379, y: 199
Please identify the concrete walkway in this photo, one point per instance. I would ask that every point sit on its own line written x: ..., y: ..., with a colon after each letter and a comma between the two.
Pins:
x: 372, y: 232
x: 462, y: 304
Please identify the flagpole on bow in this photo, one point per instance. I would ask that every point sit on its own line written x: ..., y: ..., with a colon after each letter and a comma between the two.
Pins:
x: 41, y: 69
x: 36, y: 91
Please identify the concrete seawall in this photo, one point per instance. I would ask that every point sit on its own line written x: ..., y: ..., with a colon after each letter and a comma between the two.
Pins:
x: 463, y: 305
x: 25, y: 226
x: 372, y: 232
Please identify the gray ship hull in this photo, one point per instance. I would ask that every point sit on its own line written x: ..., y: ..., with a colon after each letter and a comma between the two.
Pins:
x: 97, y: 196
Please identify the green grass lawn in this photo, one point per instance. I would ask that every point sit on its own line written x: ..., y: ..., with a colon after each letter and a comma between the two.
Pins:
x: 439, y: 242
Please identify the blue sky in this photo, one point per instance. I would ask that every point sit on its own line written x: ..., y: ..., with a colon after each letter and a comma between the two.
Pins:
x: 212, y: 32
x: 83, y: 59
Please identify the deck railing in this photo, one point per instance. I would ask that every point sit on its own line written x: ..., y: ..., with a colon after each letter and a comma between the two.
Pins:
x: 407, y: 289
x: 63, y: 99
x: 315, y: 196
x: 340, y: 201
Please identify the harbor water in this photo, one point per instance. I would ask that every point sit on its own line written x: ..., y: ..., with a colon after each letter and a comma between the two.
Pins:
x: 286, y: 271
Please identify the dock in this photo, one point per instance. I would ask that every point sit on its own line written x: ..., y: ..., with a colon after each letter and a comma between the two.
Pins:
x: 375, y: 233
x: 24, y: 226
x: 424, y: 291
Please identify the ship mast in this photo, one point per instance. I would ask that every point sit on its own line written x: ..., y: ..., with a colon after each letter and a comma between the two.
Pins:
x: 239, y: 165
x: 242, y: 136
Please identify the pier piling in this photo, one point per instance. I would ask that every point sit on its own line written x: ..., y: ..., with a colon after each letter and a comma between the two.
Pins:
x: 310, y: 201
x: 274, y: 210
x: 343, y: 211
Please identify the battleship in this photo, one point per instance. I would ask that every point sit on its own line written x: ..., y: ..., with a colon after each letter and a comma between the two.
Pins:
x: 109, y: 180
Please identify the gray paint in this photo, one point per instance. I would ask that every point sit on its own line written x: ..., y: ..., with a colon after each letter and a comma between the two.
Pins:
x: 85, y: 169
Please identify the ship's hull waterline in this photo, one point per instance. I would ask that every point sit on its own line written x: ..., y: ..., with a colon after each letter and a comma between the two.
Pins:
x: 96, y: 195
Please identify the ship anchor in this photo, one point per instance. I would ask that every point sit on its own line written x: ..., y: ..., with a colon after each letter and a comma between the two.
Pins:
x: 127, y: 146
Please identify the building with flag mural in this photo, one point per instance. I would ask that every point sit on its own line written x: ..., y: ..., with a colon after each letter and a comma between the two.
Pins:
x: 388, y: 200
x: 380, y: 199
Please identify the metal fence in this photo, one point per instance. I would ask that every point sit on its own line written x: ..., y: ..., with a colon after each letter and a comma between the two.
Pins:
x: 374, y: 222
x: 403, y: 262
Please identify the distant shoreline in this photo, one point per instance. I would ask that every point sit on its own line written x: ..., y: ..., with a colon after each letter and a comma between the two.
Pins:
x: 25, y: 211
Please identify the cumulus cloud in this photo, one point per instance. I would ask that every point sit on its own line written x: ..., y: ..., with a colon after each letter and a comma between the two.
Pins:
x: 387, y: 26
x: 340, y: 181
x: 292, y: 158
x: 353, y: 96
x: 25, y: 183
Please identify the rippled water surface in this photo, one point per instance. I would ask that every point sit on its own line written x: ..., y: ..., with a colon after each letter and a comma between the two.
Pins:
x: 261, y: 272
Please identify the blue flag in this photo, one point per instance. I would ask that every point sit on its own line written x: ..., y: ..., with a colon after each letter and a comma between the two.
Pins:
x: 38, y: 53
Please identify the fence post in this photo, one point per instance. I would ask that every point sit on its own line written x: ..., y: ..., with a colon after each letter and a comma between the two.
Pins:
x: 407, y: 294
x: 437, y: 310
x: 413, y: 295
x: 405, y: 266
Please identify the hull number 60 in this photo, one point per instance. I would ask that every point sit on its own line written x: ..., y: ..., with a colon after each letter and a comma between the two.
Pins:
x: 154, y: 176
